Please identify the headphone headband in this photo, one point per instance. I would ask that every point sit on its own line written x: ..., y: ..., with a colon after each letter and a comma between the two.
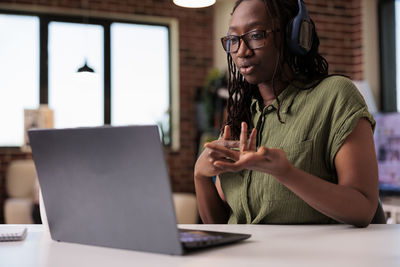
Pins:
x: 300, y: 31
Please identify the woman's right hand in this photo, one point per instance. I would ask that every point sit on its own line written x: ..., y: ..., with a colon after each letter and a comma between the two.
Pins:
x: 204, y: 167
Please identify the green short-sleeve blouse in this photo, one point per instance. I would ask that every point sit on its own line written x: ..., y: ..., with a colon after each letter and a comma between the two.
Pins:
x: 316, y: 123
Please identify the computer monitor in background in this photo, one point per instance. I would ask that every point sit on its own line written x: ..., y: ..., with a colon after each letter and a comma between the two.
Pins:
x: 387, y: 146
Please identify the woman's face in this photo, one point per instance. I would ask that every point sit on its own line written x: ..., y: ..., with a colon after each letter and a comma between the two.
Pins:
x: 257, y: 65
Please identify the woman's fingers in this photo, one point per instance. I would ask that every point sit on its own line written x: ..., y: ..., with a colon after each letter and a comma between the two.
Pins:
x: 224, y: 143
x: 227, y: 133
x: 270, y: 154
x: 227, y: 166
x: 252, y: 140
x: 224, y: 154
x: 223, y: 151
x: 215, y: 155
x: 263, y: 151
x: 243, y: 137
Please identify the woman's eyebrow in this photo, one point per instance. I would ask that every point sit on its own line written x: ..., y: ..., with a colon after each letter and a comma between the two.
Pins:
x: 248, y: 25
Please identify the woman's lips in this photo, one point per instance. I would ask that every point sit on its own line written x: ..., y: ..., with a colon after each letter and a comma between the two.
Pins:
x: 246, y: 69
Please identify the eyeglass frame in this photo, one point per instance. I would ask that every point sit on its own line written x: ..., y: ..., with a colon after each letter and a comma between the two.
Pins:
x: 265, y: 32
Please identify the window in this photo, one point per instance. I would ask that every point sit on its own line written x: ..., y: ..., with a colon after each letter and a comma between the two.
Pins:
x: 139, y: 75
x: 132, y: 83
x: 19, y: 74
x: 76, y: 98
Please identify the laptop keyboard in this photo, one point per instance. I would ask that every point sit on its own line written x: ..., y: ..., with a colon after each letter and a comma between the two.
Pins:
x: 197, y: 239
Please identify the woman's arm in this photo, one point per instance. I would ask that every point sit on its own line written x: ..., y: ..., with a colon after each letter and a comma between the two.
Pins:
x: 353, y: 200
x: 212, y: 208
x: 210, y: 200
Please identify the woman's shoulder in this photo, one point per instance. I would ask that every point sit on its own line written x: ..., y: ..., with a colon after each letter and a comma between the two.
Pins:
x: 338, y: 88
x: 336, y: 83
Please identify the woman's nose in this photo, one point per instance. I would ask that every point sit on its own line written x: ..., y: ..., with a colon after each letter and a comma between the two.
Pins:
x: 244, y: 50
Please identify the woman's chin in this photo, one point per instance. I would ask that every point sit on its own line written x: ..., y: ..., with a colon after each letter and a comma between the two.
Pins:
x: 251, y: 79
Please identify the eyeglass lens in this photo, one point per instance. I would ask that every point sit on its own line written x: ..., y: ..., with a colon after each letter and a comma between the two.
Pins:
x: 253, y: 40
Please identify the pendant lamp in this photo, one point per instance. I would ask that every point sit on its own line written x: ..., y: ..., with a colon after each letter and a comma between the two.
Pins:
x: 194, y: 3
x: 85, y: 68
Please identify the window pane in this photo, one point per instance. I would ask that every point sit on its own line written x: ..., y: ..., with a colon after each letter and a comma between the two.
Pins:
x: 76, y: 98
x: 19, y: 74
x: 140, y: 75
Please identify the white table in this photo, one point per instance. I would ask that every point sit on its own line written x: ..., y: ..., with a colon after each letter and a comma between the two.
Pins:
x: 270, y: 245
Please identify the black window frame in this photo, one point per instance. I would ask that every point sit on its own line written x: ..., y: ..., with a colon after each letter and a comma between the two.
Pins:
x: 387, y: 44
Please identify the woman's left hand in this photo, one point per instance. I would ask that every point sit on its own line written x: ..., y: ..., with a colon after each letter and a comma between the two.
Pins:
x: 268, y: 160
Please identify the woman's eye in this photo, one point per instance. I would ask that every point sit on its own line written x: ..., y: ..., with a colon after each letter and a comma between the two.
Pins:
x: 256, y: 36
x: 234, y: 40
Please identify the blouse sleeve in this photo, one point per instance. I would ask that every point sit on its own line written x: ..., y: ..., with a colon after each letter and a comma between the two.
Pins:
x: 348, y: 107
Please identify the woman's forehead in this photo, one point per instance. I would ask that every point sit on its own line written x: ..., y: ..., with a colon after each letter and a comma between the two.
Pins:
x: 249, y: 13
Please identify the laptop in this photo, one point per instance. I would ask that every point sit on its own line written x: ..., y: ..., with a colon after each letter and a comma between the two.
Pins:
x: 109, y: 186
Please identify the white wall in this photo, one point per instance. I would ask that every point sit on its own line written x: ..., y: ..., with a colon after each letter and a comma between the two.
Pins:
x: 371, y: 47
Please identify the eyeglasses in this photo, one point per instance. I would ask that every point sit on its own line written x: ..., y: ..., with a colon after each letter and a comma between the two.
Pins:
x: 253, y: 40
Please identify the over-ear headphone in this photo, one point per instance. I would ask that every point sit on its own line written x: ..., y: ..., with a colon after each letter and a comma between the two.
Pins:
x: 300, y: 31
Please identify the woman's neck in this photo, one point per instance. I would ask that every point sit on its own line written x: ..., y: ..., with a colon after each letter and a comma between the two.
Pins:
x: 267, y: 92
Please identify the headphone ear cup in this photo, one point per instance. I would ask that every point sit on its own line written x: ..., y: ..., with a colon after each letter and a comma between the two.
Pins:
x: 306, y: 35
x: 300, y: 31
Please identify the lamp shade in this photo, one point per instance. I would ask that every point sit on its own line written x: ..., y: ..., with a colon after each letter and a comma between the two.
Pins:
x: 85, y: 68
x: 194, y: 3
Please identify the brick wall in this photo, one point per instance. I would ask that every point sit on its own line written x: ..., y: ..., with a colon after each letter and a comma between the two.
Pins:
x: 338, y: 23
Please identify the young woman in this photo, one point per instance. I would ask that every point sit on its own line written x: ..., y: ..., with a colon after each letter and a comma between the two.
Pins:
x: 298, y: 144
